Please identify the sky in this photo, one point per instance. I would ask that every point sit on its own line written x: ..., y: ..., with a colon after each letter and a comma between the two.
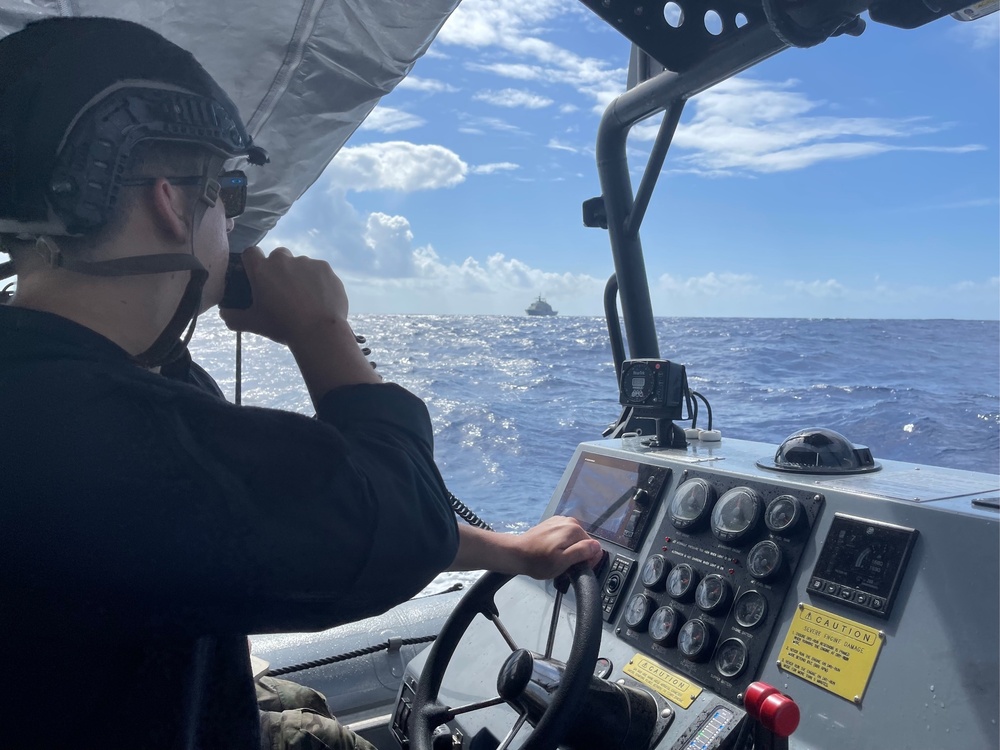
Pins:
x: 859, y: 178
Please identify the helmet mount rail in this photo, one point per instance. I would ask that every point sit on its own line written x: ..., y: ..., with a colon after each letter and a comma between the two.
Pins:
x: 94, y: 156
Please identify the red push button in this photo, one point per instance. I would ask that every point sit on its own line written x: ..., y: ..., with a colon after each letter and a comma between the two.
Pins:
x: 755, y: 694
x: 776, y: 713
x: 779, y: 714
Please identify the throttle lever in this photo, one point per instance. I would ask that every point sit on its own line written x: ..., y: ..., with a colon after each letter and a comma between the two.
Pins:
x: 773, y: 715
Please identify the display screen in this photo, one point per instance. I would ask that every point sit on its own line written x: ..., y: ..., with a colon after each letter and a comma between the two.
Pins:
x: 612, y: 497
x: 866, y: 555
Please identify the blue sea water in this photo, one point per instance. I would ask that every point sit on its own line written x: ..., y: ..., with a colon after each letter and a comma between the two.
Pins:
x: 511, y: 397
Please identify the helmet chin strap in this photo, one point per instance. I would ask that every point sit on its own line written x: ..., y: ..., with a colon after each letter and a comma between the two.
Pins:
x: 169, y: 345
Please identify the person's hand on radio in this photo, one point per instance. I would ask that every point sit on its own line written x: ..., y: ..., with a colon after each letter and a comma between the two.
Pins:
x: 300, y: 302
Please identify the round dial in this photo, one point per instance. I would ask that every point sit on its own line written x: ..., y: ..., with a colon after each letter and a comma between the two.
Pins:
x: 695, y: 640
x: 637, y: 612
x: 783, y: 514
x: 664, y: 624
x: 692, y: 504
x: 712, y: 594
x: 681, y: 582
x: 764, y: 560
x: 654, y: 572
x: 736, y: 514
x: 750, y: 609
x: 731, y: 658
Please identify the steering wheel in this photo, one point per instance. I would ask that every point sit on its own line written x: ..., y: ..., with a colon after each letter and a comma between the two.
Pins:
x: 427, y: 713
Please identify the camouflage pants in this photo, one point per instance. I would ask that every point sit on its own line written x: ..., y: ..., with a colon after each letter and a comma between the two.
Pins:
x: 294, y: 717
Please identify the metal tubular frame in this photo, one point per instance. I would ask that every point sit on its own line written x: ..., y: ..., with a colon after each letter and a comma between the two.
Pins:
x: 667, y: 91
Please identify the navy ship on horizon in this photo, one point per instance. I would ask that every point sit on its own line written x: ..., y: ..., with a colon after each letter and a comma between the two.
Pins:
x: 540, y: 307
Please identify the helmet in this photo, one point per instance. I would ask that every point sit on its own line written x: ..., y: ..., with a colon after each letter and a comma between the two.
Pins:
x: 71, y: 114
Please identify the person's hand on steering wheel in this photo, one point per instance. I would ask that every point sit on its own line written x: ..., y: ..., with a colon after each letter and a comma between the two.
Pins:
x: 543, y: 551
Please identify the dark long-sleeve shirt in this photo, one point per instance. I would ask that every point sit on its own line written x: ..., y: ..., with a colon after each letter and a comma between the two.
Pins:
x: 147, y: 526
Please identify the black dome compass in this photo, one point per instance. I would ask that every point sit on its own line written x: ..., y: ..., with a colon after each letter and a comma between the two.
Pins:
x: 820, y: 451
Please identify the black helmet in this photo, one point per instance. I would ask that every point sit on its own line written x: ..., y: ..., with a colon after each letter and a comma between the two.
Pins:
x: 76, y: 96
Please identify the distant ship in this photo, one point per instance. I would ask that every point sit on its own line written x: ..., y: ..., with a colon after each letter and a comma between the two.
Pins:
x: 540, y: 307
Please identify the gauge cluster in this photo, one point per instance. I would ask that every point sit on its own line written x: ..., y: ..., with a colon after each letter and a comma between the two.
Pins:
x: 707, y: 596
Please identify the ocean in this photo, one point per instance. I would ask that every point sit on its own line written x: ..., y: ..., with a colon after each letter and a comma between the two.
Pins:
x: 511, y: 397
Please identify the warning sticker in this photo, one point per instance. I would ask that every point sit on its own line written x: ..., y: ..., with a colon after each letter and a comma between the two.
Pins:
x: 669, y: 684
x: 831, y: 652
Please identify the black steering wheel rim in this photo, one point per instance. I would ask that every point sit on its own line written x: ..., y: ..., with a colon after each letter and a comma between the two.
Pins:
x: 427, y: 713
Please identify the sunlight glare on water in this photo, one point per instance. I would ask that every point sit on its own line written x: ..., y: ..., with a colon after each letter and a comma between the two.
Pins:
x: 511, y: 397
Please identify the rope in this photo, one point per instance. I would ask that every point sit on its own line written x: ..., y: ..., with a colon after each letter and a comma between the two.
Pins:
x: 392, y: 643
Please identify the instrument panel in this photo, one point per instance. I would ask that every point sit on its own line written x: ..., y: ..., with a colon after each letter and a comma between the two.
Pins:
x: 851, y: 596
x: 707, y: 596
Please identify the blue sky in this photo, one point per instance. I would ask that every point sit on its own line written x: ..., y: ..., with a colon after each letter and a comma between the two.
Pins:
x: 860, y: 178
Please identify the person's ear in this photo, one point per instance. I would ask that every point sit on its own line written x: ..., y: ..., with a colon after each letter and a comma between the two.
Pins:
x: 170, y: 206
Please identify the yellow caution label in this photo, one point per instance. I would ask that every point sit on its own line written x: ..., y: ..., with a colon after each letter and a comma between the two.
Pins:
x: 669, y: 684
x: 831, y: 652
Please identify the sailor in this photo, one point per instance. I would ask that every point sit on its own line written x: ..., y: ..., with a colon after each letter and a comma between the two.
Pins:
x: 147, y: 525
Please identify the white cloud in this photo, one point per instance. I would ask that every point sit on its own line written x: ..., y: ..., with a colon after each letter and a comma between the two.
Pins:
x: 389, y: 120
x: 482, y: 23
x: 390, y: 242
x: 328, y: 227
x: 504, y: 166
x: 517, y: 28
x: 746, y: 126
x: 558, y: 145
x: 958, y: 205
x: 983, y: 33
x: 388, y: 269
x: 745, y: 295
x: 517, y: 71
x: 396, y: 165
x: 513, y: 98
x: 428, y: 85
x: 498, y: 285
x: 479, y: 125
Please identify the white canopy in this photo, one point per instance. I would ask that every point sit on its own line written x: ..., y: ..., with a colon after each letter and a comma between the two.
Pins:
x: 304, y: 73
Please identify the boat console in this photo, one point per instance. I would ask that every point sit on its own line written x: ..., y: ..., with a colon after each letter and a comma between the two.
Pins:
x: 867, y: 599
x: 805, y: 595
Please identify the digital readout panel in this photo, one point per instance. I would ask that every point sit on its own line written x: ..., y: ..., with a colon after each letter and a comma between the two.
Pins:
x: 862, y: 562
x: 613, y: 498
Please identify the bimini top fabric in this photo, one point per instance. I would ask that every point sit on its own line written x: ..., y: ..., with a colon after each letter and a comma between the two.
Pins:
x: 303, y: 74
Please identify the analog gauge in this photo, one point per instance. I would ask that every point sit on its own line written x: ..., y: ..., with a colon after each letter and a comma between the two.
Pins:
x: 692, y: 504
x: 736, y: 514
x: 637, y: 612
x: 764, y: 560
x: 783, y: 514
x: 664, y: 624
x: 654, y: 572
x: 695, y: 640
x: 681, y: 582
x: 731, y: 658
x: 750, y: 609
x: 712, y: 594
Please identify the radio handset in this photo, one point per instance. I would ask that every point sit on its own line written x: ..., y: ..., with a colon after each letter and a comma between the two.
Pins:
x: 237, y: 293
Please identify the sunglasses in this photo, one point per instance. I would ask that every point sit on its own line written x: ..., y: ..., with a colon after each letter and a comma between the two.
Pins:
x: 230, y: 188
x: 233, y: 192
